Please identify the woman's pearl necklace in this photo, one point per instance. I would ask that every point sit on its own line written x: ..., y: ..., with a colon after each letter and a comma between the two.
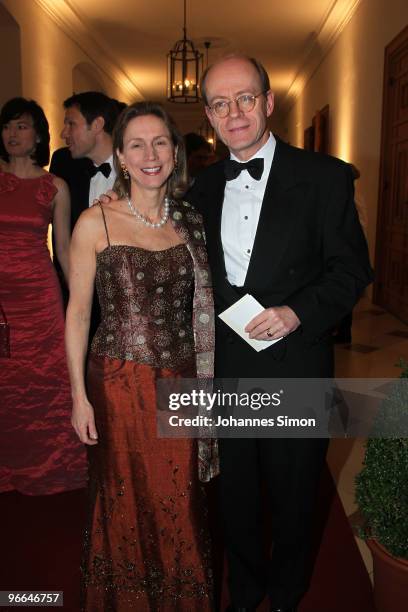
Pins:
x: 145, y: 221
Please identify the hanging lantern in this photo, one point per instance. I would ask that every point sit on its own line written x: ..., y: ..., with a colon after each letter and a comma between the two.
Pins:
x: 184, y: 68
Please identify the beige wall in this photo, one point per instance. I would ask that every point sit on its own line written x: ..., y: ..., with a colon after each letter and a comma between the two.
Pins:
x: 48, y: 57
x: 86, y: 78
x: 10, y: 65
x: 350, y: 80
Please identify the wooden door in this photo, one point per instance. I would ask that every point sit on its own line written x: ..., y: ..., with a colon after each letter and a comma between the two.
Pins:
x: 391, y: 285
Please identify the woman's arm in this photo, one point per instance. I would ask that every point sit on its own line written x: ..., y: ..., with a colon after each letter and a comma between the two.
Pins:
x: 82, y: 265
x: 61, y: 225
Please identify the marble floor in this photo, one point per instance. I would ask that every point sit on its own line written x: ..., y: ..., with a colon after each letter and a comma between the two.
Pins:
x: 379, y: 340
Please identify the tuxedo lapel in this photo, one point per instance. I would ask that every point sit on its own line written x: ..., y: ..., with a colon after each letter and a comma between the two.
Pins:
x: 276, y: 219
x: 225, y: 294
x: 79, y: 188
x: 212, y: 217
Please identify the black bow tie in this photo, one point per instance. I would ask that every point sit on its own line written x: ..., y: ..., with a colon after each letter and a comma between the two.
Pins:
x: 254, y: 166
x: 104, y: 168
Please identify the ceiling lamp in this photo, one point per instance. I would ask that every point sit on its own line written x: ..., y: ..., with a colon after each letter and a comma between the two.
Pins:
x: 184, y: 67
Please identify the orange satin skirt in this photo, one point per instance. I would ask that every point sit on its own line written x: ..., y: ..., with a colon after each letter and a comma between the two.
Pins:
x: 146, y: 545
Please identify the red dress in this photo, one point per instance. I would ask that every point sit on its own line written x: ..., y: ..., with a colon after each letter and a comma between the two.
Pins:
x: 39, y: 451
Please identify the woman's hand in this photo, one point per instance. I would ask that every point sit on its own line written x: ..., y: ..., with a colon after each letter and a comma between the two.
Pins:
x: 105, y: 198
x: 83, y: 421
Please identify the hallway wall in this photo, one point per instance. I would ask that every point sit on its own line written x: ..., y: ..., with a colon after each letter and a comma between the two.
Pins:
x: 10, y: 70
x: 350, y: 80
x: 48, y: 58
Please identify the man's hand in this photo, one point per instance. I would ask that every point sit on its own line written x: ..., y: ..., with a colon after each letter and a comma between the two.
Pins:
x: 273, y: 323
x: 105, y: 198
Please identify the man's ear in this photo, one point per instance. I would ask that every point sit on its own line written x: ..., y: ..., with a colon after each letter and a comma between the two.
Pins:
x: 98, y: 124
x: 270, y: 103
x: 210, y: 115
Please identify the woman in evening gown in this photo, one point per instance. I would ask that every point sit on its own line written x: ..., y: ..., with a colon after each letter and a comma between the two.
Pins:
x: 38, y: 452
x: 146, y: 545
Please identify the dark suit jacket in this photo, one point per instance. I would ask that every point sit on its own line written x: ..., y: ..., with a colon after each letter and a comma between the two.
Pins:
x: 309, y: 253
x: 75, y: 174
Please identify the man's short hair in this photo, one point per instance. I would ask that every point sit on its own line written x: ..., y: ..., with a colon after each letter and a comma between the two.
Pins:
x: 93, y: 104
x: 263, y: 75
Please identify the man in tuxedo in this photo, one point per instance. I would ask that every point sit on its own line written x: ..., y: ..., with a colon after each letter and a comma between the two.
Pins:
x: 281, y: 225
x: 86, y: 162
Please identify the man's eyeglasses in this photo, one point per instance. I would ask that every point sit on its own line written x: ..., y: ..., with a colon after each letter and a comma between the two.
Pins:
x: 245, y: 103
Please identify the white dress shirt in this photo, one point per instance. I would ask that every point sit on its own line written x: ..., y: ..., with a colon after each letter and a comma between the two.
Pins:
x: 240, y: 215
x: 100, y: 184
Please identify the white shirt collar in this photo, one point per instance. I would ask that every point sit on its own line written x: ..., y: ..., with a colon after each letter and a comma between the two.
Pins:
x: 107, y: 161
x: 266, y: 152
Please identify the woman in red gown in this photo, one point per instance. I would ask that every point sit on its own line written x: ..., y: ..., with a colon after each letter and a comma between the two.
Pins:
x: 147, y: 546
x: 39, y: 454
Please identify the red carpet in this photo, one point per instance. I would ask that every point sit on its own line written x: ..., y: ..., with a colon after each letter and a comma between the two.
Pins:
x: 41, y: 543
x: 41, y: 546
x: 340, y: 582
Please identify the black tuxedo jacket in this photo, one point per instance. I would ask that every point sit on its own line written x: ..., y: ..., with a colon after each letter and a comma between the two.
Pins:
x: 75, y: 173
x: 309, y: 253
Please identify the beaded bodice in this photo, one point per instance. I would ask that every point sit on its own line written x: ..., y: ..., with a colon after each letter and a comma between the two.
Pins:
x: 146, y: 305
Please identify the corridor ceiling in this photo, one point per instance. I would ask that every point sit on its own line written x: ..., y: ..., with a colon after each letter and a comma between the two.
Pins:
x: 130, y: 38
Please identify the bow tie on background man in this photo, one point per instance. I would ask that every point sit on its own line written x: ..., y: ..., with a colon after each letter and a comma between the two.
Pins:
x: 104, y: 168
x: 233, y: 168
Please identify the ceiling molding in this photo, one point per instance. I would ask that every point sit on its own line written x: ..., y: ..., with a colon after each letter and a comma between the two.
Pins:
x: 337, y: 17
x: 82, y: 34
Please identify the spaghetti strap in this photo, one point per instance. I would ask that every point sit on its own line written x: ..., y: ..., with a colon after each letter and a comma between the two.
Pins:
x: 104, y: 222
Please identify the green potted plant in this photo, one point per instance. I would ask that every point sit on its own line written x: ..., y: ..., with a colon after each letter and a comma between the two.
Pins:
x: 382, y: 497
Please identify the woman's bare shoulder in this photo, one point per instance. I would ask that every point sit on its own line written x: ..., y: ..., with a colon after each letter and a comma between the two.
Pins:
x: 60, y: 184
x: 89, y: 221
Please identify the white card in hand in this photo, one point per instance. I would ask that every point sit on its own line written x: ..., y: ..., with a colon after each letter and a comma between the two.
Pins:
x: 240, y: 314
